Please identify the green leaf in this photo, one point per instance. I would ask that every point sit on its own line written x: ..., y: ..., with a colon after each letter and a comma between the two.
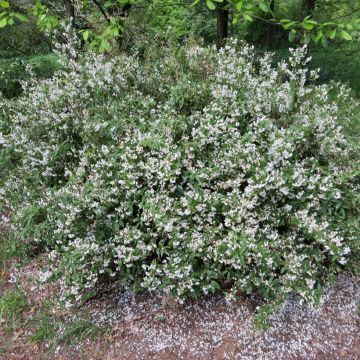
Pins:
x: 195, y: 3
x: 289, y: 25
x: 318, y: 36
x: 3, y: 22
x: 331, y: 34
x: 239, y: 5
x: 247, y: 17
x: 86, y: 35
x: 264, y: 7
x: 4, y: 4
x: 249, y: 6
x: 311, y: 22
x: 307, y: 26
x: 21, y: 17
x: 210, y: 5
x: 345, y: 35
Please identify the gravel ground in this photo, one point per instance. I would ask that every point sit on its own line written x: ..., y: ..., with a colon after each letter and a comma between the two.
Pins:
x: 146, y: 328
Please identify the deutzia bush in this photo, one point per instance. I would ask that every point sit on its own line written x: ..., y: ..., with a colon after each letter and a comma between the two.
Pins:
x: 188, y: 171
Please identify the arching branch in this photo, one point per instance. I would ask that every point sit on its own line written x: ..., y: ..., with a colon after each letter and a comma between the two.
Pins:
x: 102, y: 10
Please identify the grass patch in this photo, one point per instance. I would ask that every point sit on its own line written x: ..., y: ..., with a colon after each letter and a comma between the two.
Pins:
x: 45, y: 329
x: 10, y: 252
x: 79, y: 330
x: 12, y: 303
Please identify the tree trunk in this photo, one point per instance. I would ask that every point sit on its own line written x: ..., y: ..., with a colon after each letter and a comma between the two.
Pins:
x: 222, y: 14
x: 309, y: 6
x: 270, y: 28
x: 70, y: 10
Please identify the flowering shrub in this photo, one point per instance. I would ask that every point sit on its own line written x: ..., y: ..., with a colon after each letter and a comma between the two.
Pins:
x: 189, y: 173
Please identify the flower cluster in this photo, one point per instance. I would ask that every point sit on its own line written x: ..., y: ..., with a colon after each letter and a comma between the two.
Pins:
x: 189, y: 173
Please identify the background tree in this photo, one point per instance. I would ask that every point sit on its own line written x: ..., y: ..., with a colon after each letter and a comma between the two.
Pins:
x: 222, y: 14
x: 112, y: 25
x: 270, y: 26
